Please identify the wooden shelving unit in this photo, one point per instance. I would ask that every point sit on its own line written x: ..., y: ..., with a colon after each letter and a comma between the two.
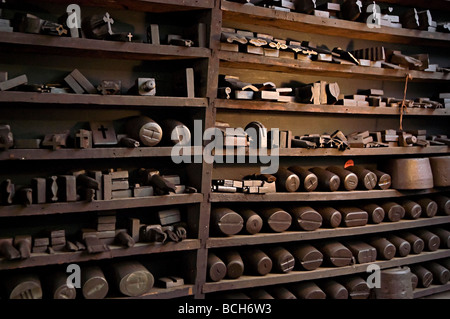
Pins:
x: 86, y: 51
x: 286, y: 25
x: 208, y: 108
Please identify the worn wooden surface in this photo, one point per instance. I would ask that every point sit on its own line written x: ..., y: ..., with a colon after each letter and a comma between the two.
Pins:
x: 336, y: 27
x: 255, y: 62
x: 323, y: 233
x: 319, y: 273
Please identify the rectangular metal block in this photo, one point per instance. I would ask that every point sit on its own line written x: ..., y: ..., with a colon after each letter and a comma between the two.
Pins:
x: 169, y: 216
x: 38, y: 186
x: 12, y: 83
x: 143, y: 191
x: 67, y: 188
x: 83, y: 82
x: 122, y: 193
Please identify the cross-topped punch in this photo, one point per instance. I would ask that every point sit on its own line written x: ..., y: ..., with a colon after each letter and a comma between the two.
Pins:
x: 107, y: 18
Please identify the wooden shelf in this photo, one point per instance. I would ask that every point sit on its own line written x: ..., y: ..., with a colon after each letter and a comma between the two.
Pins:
x: 267, y: 106
x: 322, y: 233
x: 441, y: 5
x: 376, y: 151
x: 252, y: 15
x: 321, y: 272
x: 46, y: 44
x: 433, y: 289
x: 164, y: 293
x: 100, y: 205
x: 88, y: 153
x: 141, y: 5
x: 97, y: 100
x: 43, y: 259
x: 318, y: 196
x: 269, y: 64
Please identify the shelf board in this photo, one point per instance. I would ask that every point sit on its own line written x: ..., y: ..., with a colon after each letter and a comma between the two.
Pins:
x: 293, y: 21
x: 375, y: 151
x: 269, y: 64
x: 164, y: 293
x: 319, y: 196
x: 98, y: 48
x: 441, y: 5
x: 433, y: 289
x: 322, y: 233
x: 43, y: 259
x: 87, y: 153
x: 100, y: 205
x: 97, y: 100
x: 142, y: 5
x: 321, y: 272
x: 267, y: 106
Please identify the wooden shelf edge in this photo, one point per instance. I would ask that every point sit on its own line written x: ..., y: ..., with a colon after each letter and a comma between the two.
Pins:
x: 433, y: 289
x: 255, y: 105
x: 97, y: 100
x: 144, y: 5
x: 322, y: 233
x: 375, y: 151
x: 43, y: 259
x: 101, y: 48
x: 269, y: 64
x: 294, y: 21
x: 89, y: 153
x: 164, y: 293
x: 322, y: 272
x: 100, y: 205
x: 319, y: 196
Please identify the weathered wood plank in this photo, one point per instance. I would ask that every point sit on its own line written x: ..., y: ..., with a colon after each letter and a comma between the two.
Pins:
x: 100, y: 205
x: 321, y: 233
x: 265, y: 106
x: 433, y: 289
x: 92, y: 100
x: 268, y: 64
x: 100, y: 49
x: 354, y: 151
x: 316, y: 196
x: 238, y: 13
x: 322, y: 272
x: 43, y: 259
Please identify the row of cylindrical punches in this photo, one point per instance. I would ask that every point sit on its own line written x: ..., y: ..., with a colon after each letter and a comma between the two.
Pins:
x: 234, y: 263
x: 343, y: 287
x: 332, y: 178
x: 130, y: 278
x: 227, y: 222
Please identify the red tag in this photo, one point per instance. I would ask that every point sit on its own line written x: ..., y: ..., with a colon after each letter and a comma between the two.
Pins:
x: 349, y: 163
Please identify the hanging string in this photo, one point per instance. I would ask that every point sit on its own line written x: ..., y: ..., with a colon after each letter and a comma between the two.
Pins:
x: 403, y: 106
